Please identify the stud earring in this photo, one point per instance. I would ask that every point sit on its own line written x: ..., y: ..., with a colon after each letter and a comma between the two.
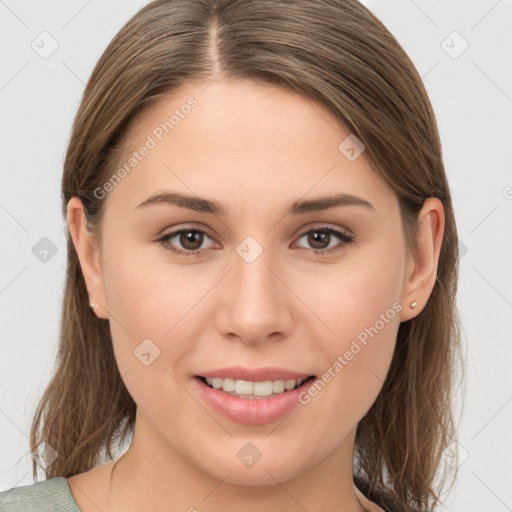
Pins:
x: 93, y: 305
x: 413, y: 305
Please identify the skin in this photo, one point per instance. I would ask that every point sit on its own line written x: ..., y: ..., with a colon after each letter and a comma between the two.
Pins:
x: 254, y: 149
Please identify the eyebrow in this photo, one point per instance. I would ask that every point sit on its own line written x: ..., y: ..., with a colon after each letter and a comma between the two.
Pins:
x: 297, y: 207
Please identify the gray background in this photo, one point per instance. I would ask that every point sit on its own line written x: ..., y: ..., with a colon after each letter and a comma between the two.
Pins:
x: 472, y: 96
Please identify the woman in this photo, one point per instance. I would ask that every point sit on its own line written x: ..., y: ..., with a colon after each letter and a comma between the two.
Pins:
x: 262, y: 271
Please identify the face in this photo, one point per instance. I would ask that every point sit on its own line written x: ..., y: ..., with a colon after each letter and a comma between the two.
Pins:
x: 265, y: 284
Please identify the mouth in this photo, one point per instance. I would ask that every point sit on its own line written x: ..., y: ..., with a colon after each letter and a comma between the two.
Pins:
x: 252, y: 396
x: 255, y: 389
x: 252, y: 403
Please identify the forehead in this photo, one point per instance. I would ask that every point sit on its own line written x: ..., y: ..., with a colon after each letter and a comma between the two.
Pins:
x: 240, y: 141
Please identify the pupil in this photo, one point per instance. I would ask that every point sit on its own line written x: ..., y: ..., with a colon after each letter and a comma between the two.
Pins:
x: 318, y: 236
x: 191, y: 240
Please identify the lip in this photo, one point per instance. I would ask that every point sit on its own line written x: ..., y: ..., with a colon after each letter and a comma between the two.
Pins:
x: 252, y: 411
x: 254, y: 374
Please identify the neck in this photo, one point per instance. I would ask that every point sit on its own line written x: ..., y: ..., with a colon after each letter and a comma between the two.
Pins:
x: 152, y: 476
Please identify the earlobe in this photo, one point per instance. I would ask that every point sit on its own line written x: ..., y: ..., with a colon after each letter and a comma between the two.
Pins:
x: 421, y: 272
x: 86, y: 247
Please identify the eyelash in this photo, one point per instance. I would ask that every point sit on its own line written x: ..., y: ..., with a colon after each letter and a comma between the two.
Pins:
x: 346, y: 239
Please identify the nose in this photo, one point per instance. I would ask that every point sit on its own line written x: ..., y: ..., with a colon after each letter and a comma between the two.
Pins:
x: 255, y: 303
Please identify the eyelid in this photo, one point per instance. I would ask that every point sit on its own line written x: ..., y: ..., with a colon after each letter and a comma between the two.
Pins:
x: 323, y: 225
x: 186, y: 226
x: 298, y: 233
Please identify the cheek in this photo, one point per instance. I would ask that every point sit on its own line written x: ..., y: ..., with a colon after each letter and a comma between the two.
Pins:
x: 352, y: 295
x: 144, y: 289
x: 359, y: 305
x: 150, y: 332
x: 156, y: 308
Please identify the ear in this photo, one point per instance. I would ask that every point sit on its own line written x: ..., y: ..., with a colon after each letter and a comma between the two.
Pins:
x: 86, y: 247
x: 421, y: 267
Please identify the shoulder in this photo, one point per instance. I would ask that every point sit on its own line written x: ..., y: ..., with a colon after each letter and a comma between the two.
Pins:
x: 52, y: 495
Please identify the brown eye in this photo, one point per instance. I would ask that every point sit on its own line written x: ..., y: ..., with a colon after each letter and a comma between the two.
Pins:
x: 189, y: 241
x: 320, y: 238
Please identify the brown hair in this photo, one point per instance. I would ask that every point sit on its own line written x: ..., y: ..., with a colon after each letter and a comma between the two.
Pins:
x: 340, y: 55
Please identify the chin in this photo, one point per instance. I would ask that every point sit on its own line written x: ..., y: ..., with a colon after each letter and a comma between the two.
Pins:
x: 260, y: 474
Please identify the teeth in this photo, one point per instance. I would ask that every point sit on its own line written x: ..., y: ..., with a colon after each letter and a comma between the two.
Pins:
x: 249, y: 389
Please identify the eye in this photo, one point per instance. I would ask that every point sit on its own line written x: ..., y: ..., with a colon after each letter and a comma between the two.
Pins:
x: 321, y: 237
x: 191, y: 240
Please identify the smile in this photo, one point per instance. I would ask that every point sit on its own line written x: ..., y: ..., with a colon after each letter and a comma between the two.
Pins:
x: 252, y: 402
x: 252, y: 389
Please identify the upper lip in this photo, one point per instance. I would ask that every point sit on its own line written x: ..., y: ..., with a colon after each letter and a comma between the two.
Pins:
x: 254, y: 374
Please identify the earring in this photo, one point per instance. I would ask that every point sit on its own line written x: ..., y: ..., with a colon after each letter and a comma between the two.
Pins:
x: 413, y: 305
x: 93, y: 305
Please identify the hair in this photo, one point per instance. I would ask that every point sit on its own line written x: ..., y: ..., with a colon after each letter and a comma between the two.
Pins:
x: 337, y: 53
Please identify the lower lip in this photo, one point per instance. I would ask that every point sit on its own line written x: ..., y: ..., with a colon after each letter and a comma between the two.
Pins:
x: 253, y: 411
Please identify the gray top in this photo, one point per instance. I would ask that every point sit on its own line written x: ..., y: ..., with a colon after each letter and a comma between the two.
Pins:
x: 52, y: 495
